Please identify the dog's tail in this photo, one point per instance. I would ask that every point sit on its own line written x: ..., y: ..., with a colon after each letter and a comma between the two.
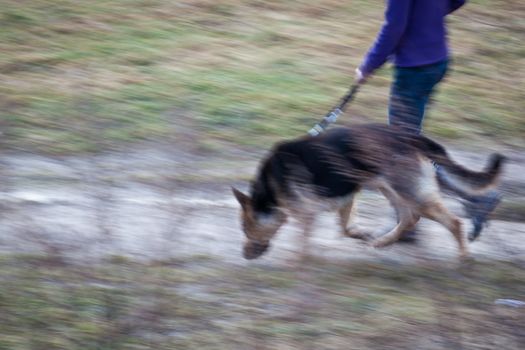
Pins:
x: 477, y: 180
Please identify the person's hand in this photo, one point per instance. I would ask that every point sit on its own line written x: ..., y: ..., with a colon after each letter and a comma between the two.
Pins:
x: 360, y: 78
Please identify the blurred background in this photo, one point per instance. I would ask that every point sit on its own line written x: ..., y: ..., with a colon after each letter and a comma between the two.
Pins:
x: 123, y: 124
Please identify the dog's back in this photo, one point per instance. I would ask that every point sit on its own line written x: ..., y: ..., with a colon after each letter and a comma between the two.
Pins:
x: 337, y: 162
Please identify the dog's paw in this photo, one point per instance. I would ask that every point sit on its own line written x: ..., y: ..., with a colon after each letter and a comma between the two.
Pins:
x: 355, y: 232
x: 465, y: 257
x: 379, y: 243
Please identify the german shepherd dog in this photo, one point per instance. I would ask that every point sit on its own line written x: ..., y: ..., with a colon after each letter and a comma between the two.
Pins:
x: 303, y: 177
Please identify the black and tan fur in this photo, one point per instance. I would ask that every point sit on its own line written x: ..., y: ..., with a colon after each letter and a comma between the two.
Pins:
x: 303, y: 177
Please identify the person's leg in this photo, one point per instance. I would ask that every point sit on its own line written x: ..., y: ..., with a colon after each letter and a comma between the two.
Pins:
x: 411, y: 91
x: 410, y: 94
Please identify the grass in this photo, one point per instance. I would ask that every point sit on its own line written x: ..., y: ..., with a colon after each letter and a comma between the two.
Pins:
x: 84, y: 76
x: 200, y: 304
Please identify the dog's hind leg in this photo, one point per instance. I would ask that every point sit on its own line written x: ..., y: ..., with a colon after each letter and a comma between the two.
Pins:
x: 435, y: 210
x: 431, y: 205
x: 407, y: 218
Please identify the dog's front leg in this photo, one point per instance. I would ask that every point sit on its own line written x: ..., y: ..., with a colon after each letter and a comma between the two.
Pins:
x: 306, y: 223
x: 346, y: 214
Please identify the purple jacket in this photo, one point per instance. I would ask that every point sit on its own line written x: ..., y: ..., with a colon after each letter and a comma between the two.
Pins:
x: 413, y: 34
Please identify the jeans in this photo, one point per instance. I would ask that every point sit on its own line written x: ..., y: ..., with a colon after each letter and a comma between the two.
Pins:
x: 410, y: 94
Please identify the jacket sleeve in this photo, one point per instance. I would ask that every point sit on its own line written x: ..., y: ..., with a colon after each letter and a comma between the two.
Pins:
x: 455, y: 4
x: 396, y: 18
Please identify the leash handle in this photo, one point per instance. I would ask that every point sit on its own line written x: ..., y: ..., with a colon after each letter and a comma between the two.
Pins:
x: 331, y: 117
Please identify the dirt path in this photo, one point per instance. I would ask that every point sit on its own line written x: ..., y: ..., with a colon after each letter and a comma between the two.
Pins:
x: 161, y: 203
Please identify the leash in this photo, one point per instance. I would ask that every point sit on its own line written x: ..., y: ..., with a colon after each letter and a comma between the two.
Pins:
x: 331, y: 117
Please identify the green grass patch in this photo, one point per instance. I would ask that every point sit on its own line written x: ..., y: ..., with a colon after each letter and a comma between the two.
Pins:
x: 243, y: 71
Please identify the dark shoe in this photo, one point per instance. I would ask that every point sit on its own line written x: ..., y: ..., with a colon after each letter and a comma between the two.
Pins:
x: 409, y: 236
x: 479, y: 209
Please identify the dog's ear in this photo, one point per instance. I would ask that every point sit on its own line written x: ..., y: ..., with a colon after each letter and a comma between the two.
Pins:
x: 241, y: 197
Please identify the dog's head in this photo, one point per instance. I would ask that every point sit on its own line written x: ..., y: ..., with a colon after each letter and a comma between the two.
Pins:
x: 259, y: 228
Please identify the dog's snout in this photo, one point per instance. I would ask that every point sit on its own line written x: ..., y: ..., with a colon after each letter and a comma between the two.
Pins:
x: 253, y: 250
